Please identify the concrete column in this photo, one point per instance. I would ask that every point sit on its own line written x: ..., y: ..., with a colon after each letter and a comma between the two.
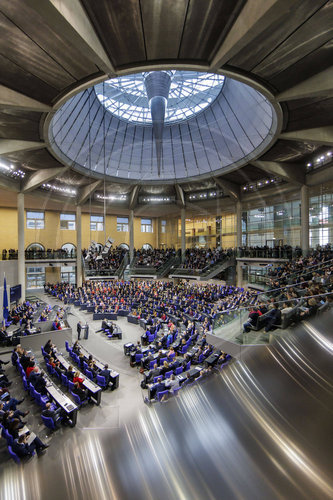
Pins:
x: 21, y: 243
x: 79, y: 246
x: 183, y: 232
x: 238, y: 224
x: 239, y: 275
x: 305, y: 219
x: 131, y: 233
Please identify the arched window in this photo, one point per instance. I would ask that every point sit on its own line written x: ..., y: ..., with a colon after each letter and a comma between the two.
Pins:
x: 35, y: 246
x: 70, y: 249
x: 146, y: 246
x: 123, y: 246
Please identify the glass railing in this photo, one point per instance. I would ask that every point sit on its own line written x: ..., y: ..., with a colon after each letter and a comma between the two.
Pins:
x: 286, y: 253
x: 39, y: 255
x: 235, y: 325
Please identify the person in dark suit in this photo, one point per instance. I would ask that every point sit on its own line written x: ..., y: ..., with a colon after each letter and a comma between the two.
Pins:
x: 156, y: 388
x: 79, y: 329
x: 273, y: 317
x: 39, y: 383
x: 25, y: 450
x: 70, y: 373
x: 54, y: 414
x: 153, y: 373
x: 106, y: 374
x: 80, y: 392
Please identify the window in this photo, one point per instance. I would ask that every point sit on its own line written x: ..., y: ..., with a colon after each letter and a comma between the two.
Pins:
x: 70, y: 249
x: 67, y: 221
x: 122, y: 224
x: 35, y: 220
x: 163, y: 226
x: 96, y: 223
x: 35, y: 277
x: 146, y: 226
x: 68, y: 274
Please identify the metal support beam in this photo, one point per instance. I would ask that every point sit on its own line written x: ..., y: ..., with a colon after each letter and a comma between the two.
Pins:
x: 255, y: 17
x: 69, y: 18
x: 40, y: 177
x: 134, y: 197
x: 10, y: 99
x: 318, y: 85
x: 86, y: 191
x: 21, y: 244
x: 320, y: 135
x: 180, y: 195
x: 9, y: 184
x: 12, y: 145
x: 233, y: 190
x: 292, y: 172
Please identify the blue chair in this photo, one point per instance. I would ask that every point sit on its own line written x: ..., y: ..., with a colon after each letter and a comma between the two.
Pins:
x: 101, y: 381
x: 49, y: 423
x: 89, y: 374
x: 175, y: 391
x: 32, y: 391
x: 68, y: 349
x: 138, y: 358
x: 151, y: 338
x: 162, y: 361
x: 64, y: 380
x: 85, y: 366
x: 25, y: 383
x: 156, y: 378
x: 50, y: 369
x: 184, y: 349
x: 179, y: 370
x: 168, y: 374
x: 9, y: 438
x: 41, y: 400
x: 78, y: 400
x: 188, y: 366
x: 172, y: 355
x: 161, y: 394
x: 13, y: 455
x: 71, y: 385
x: 44, y: 352
x: 151, y: 364
x: 201, y: 358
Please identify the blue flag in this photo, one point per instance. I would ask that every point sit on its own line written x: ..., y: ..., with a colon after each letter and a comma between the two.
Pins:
x: 5, y: 300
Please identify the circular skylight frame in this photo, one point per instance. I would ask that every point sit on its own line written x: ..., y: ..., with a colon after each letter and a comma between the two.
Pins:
x: 191, y: 92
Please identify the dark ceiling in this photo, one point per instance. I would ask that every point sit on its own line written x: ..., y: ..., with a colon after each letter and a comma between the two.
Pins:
x: 48, y: 50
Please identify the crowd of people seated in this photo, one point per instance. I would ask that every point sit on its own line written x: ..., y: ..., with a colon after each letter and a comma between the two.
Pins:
x: 298, y: 289
x: 202, y: 258
x: 153, y: 257
x: 98, y: 262
x: 21, y: 443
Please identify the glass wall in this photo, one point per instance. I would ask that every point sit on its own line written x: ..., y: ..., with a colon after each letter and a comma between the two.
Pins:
x: 321, y: 216
x: 35, y: 277
x: 272, y: 225
x: 68, y: 274
x: 210, y: 232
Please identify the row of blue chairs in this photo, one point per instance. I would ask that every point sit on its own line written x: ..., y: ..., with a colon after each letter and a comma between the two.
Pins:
x: 99, y: 379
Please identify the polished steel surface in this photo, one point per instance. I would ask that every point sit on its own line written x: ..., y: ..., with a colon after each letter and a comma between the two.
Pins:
x: 261, y: 429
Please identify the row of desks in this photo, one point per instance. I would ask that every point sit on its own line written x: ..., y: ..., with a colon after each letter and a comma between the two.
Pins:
x: 100, y: 365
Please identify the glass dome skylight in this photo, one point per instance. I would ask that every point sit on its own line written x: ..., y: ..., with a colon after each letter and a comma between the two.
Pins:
x: 190, y: 93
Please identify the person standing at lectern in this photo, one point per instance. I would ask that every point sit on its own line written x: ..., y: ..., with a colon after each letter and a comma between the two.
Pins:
x: 79, y: 328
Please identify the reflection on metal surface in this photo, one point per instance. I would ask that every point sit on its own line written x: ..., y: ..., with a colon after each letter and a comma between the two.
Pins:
x: 259, y: 430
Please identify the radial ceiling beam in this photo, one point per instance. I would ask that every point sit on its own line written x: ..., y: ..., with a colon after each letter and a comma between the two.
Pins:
x: 255, y: 17
x: 292, y: 172
x: 319, y: 135
x: 10, y: 99
x: 180, y: 196
x: 87, y: 191
x: 230, y: 188
x: 134, y: 197
x: 71, y: 21
x: 318, y: 85
x: 40, y: 177
x: 12, y: 145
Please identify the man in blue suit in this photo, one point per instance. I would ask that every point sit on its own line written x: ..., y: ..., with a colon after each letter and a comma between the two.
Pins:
x: 106, y: 374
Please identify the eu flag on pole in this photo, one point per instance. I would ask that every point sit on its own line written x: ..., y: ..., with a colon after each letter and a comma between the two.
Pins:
x: 5, y: 300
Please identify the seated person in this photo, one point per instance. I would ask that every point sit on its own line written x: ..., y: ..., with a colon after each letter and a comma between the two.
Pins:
x: 77, y: 379
x: 76, y: 348
x: 252, y: 319
x: 156, y: 388
x: 82, y: 393
x: 106, y: 374
x: 70, y: 373
x: 49, y: 347
x: 153, y: 373
x: 30, y: 368
x: 25, y: 450
x: 172, y: 383
x: 165, y: 368
x: 54, y: 414
x: 56, y: 325
x: 56, y: 366
x: 273, y: 317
